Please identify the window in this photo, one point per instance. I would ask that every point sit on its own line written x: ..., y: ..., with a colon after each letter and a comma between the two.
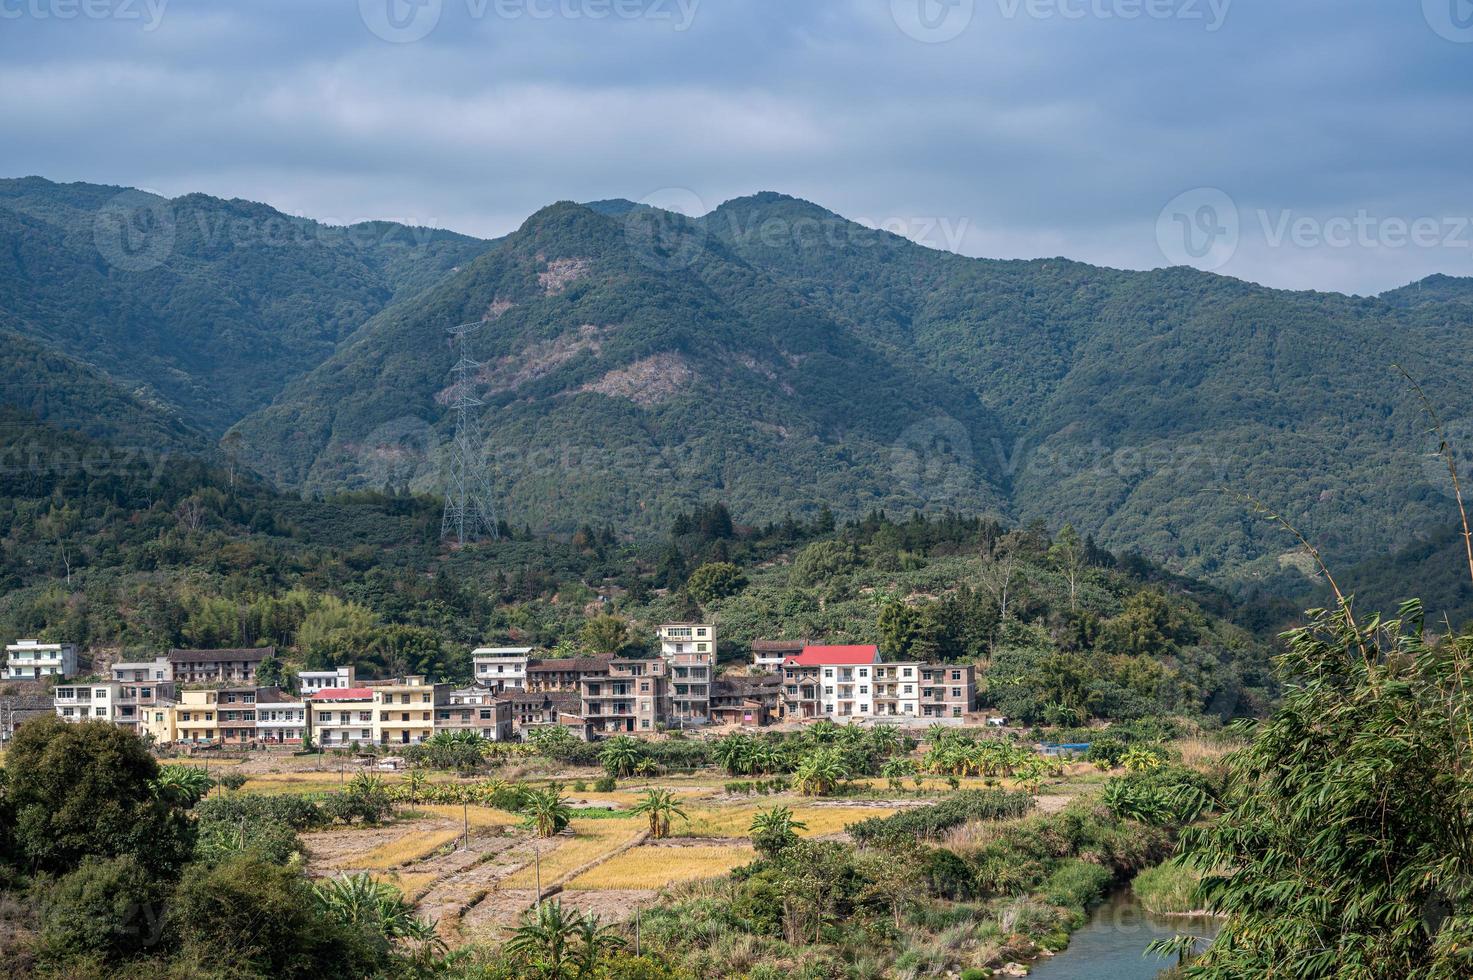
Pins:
x: 864, y: 672
x: 956, y: 675
x: 828, y: 672
x: 910, y: 689
x: 956, y: 712
x: 956, y: 692
x: 100, y: 712
x: 828, y: 690
x: 864, y: 689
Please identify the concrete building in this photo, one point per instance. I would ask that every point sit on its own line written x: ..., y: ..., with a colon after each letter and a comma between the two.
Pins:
x: 196, y: 717
x: 689, y: 650
x: 501, y: 668
x: 751, y: 701
x: 96, y: 701
x: 476, y: 709
x: 309, y: 682
x: 540, y: 709
x: 157, y: 722
x: 632, y: 697
x: 547, y: 676
x: 236, y: 707
x: 281, y: 719
x: 31, y: 660
x: 341, y: 716
x: 145, y: 685
x: 768, y: 655
x: 404, y: 712
x: 218, y: 666
x: 19, y: 708
x: 853, y: 682
x: 948, y: 691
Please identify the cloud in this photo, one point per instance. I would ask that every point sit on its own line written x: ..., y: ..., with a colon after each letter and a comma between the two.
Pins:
x: 1043, y: 127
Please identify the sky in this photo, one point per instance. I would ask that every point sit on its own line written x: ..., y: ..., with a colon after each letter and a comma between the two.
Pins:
x: 1304, y: 144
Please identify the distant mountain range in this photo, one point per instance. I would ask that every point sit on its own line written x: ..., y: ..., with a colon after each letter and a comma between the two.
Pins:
x: 770, y: 354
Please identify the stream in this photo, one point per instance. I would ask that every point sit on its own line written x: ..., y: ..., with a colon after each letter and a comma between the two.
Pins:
x: 1111, y: 945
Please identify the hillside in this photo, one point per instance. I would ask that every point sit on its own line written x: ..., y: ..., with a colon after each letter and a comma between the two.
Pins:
x: 204, y: 305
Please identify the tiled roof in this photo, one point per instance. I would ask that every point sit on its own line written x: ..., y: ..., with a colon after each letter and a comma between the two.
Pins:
x: 836, y: 656
x: 778, y: 646
x: 569, y: 664
x: 214, y: 656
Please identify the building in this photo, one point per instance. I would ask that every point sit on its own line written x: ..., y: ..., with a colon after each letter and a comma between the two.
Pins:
x: 341, y: 716
x: 741, y: 700
x: 145, y: 685
x: 280, y: 718
x: 632, y: 697
x: 17, y: 709
x: 218, y: 666
x: 404, y: 712
x: 237, y: 710
x: 830, y: 682
x: 476, y: 709
x: 540, y: 709
x: 689, y: 649
x: 157, y: 722
x: 768, y: 655
x: 309, y: 682
x: 195, y: 717
x: 31, y: 660
x: 687, y: 638
x: 96, y: 701
x: 502, y: 668
x: 546, y: 676
x: 948, y: 691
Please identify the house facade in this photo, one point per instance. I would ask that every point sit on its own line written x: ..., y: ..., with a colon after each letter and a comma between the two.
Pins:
x: 404, y: 711
x: 96, y: 701
x: 281, y: 719
x: 146, y: 686
x: 476, y: 709
x: 309, y: 682
x: 341, y: 716
x: 196, y: 717
x: 501, y: 668
x: 853, y: 682
x: 633, y: 697
x: 218, y: 666
x: 33, y: 660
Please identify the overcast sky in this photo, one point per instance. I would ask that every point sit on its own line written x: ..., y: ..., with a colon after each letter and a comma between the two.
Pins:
x: 1300, y: 143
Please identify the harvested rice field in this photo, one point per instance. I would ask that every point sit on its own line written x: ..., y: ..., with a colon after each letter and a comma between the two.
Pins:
x: 654, y: 866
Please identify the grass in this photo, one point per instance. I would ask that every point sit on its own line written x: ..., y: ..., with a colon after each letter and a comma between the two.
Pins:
x: 481, y: 817
x: 414, y: 846
x: 594, y: 839
x: 1166, y: 889
x: 649, y: 868
x: 412, y: 885
x: 736, y: 821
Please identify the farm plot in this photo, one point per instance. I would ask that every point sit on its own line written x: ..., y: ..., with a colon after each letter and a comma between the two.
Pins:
x: 653, y: 866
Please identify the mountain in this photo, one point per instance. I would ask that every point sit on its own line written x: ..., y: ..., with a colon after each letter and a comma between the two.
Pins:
x: 206, y: 306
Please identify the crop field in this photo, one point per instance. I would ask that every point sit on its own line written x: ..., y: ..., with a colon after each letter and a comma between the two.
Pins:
x: 590, y: 841
x: 736, y: 820
x: 650, y: 867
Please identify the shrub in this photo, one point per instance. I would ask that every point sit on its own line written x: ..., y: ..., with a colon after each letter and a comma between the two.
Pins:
x: 108, y: 908
x: 605, y: 784
x: 930, y: 822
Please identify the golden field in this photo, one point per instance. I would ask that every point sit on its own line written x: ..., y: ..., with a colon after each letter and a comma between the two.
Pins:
x: 651, y: 867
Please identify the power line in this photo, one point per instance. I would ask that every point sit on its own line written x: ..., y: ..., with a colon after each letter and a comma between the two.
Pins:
x: 469, y: 510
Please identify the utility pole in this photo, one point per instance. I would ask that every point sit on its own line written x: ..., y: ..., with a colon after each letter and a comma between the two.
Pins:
x: 465, y: 812
x: 537, y: 856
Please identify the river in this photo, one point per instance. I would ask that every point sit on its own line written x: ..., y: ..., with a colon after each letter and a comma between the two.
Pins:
x: 1111, y: 945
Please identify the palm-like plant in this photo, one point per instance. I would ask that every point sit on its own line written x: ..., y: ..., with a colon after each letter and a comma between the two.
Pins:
x: 416, y: 781
x: 543, y: 942
x: 659, y: 806
x: 895, y: 770
x: 772, y: 830
x: 359, y: 900
x: 595, y: 942
x: 182, y: 785
x: 820, y: 773
x: 620, y: 755
x: 732, y: 753
x: 546, y: 812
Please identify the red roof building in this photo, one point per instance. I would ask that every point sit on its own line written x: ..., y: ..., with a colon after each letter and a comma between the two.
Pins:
x: 840, y: 656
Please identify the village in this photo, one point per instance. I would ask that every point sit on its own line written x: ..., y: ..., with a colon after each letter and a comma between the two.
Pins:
x: 201, y: 698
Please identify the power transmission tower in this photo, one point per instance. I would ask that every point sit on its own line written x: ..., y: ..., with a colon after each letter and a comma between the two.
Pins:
x: 468, y: 508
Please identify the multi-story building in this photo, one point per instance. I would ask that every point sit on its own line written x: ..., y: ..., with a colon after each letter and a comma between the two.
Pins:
x: 847, y: 682
x: 237, y: 712
x: 281, y: 719
x: 690, y: 651
x: 738, y: 700
x: 476, y: 709
x: 196, y: 717
x: 770, y: 654
x: 158, y: 722
x: 341, y: 716
x: 545, y: 676
x: 897, y: 690
x: 540, y: 709
x: 502, y: 668
x: 31, y: 660
x: 687, y: 638
x: 948, y: 691
x: 309, y: 682
x: 404, y: 712
x: 218, y: 666
x: 96, y: 701
x: 17, y: 709
x: 632, y: 697
x: 145, y: 685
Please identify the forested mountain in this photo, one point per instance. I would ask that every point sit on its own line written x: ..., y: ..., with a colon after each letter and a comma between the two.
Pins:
x: 635, y: 363
x: 203, y: 305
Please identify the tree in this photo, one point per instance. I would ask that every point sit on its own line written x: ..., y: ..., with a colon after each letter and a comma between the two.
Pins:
x: 546, y: 812
x: 820, y: 772
x: 89, y: 789
x: 775, y: 830
x: 183, y: 785
x: 109, y: 908
x: 659, y: 806
x: 1345, y: 845
x: 605, y: 634
x: 554, y: 943
x: 907, y: 632
x: 1067, y: 555
x: 620, y: 756
x: 715, y: 581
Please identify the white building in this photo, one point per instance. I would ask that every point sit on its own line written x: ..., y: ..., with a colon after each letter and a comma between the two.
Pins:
x: 87, y: 702
x: 502, y: 668
x: 31, y: 660
x: 341, y: 716
x: 141, y: 671
x: 280, y: 718
x: 309, y: 682
x: 689, y: 650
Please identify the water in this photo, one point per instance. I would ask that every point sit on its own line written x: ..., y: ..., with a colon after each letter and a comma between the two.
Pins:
x: 1111, y: 945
